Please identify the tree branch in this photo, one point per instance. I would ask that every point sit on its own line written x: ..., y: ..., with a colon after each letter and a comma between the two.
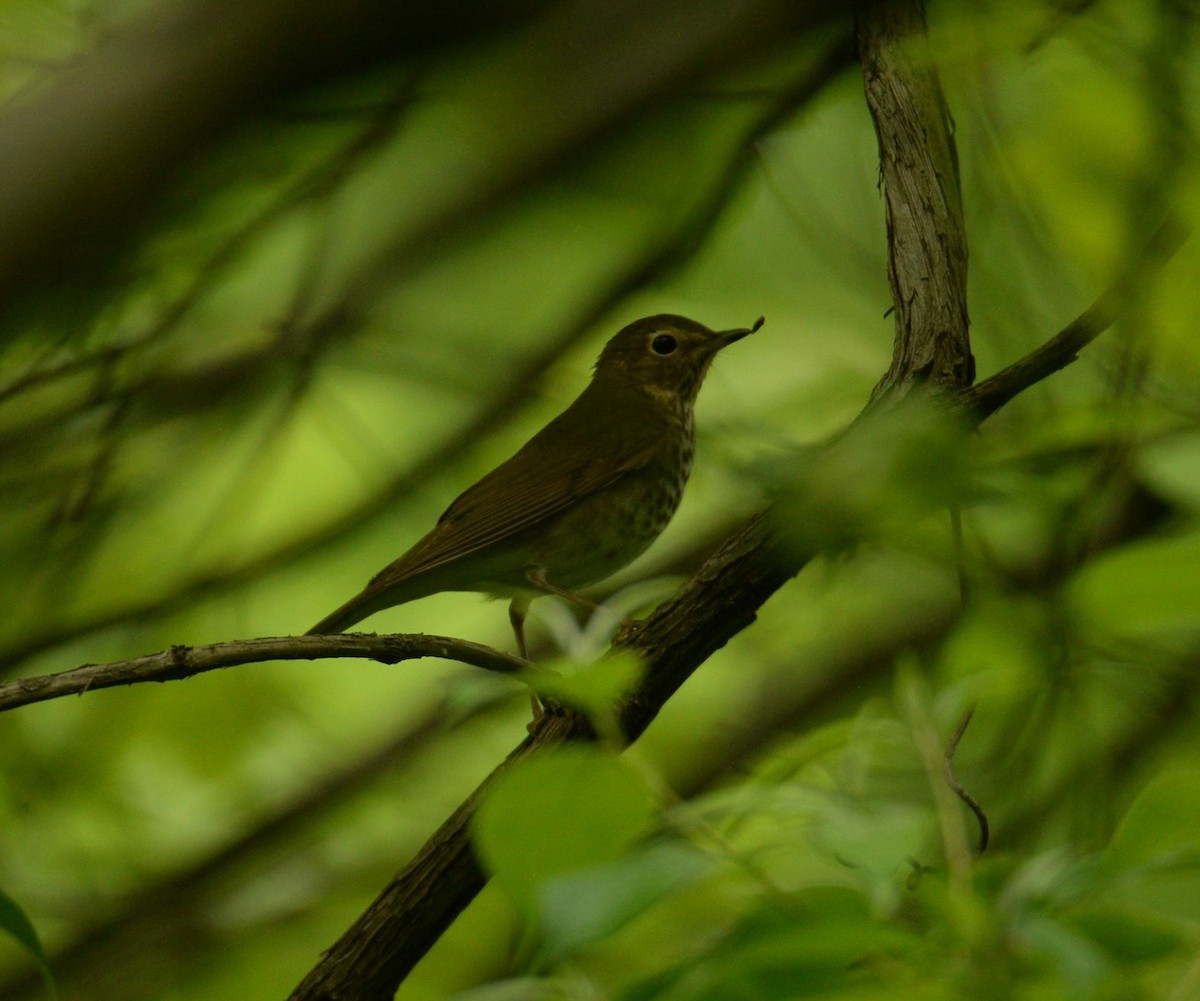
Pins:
x: 927, y: 245
x: 187, y: 661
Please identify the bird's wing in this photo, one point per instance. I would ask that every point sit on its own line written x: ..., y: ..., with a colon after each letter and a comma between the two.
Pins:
x: 535, y: 484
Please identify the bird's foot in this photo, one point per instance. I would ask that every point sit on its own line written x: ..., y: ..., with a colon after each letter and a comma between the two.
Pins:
x: 626, y: 631
x: 542, y: 706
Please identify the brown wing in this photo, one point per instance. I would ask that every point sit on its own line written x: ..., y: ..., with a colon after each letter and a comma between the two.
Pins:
x: 567, y: 460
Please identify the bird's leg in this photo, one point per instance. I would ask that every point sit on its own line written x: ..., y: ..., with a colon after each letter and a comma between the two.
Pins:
x: 537, y: 577
x: 516, y: 615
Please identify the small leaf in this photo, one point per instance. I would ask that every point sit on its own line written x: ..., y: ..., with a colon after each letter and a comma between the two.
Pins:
x: 595, y: 689
x: 1161, y: 822
x: 1144, y: 590
x: 1075, y: 958
x: 1172, y: 466
x: 563, y: 811
x: 1129, y: 937
x: 14, y: 921
x: 585, y: 906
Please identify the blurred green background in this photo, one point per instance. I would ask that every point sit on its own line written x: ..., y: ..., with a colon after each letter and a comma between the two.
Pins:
x: 241, y: 399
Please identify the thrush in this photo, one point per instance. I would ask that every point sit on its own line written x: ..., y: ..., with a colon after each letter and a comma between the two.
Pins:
x: 582, y: 498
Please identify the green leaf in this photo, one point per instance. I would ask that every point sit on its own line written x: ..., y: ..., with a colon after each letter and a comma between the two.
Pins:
x: 1153, y: 859
x: 582, y: 907
x: 1129, y: 937
x: 1146, y: 590
x: 880, y: 481
x: 595, y: 689
x: 1172, y: 468
x: 556, y: 813
x: 1161, y: 822
x: 14, y: 921
x: 1074, y: 958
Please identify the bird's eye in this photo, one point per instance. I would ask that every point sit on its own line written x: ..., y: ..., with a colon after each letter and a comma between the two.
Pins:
x: 663, y: 344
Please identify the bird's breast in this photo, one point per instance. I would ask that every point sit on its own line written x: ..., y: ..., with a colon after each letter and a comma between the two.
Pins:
x: 604, y: 532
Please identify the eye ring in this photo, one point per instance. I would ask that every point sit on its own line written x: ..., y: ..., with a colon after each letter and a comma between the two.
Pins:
x: 663, y: 344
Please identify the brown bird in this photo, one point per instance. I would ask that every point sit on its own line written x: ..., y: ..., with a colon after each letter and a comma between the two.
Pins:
x: 582, y: 498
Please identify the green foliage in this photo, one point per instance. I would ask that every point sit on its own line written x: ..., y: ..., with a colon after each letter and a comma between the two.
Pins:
x: 774, y: 895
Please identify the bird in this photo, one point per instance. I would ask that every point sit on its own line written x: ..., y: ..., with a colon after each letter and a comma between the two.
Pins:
x: 581, y: 499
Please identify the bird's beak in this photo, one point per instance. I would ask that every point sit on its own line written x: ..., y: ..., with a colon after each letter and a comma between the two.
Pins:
x: 726, y: 337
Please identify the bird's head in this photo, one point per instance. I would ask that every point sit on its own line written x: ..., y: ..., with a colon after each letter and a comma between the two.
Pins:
x: 666, y: 355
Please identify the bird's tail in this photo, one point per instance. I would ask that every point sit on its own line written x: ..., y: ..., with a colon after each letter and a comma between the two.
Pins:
x: 351, y: 613
x: 340, y: 620
x: 367, y: 602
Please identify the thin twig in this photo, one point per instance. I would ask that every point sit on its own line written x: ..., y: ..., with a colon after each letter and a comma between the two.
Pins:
x: 960, y: 552
x: 187, y: 661
x: 956, y: 786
